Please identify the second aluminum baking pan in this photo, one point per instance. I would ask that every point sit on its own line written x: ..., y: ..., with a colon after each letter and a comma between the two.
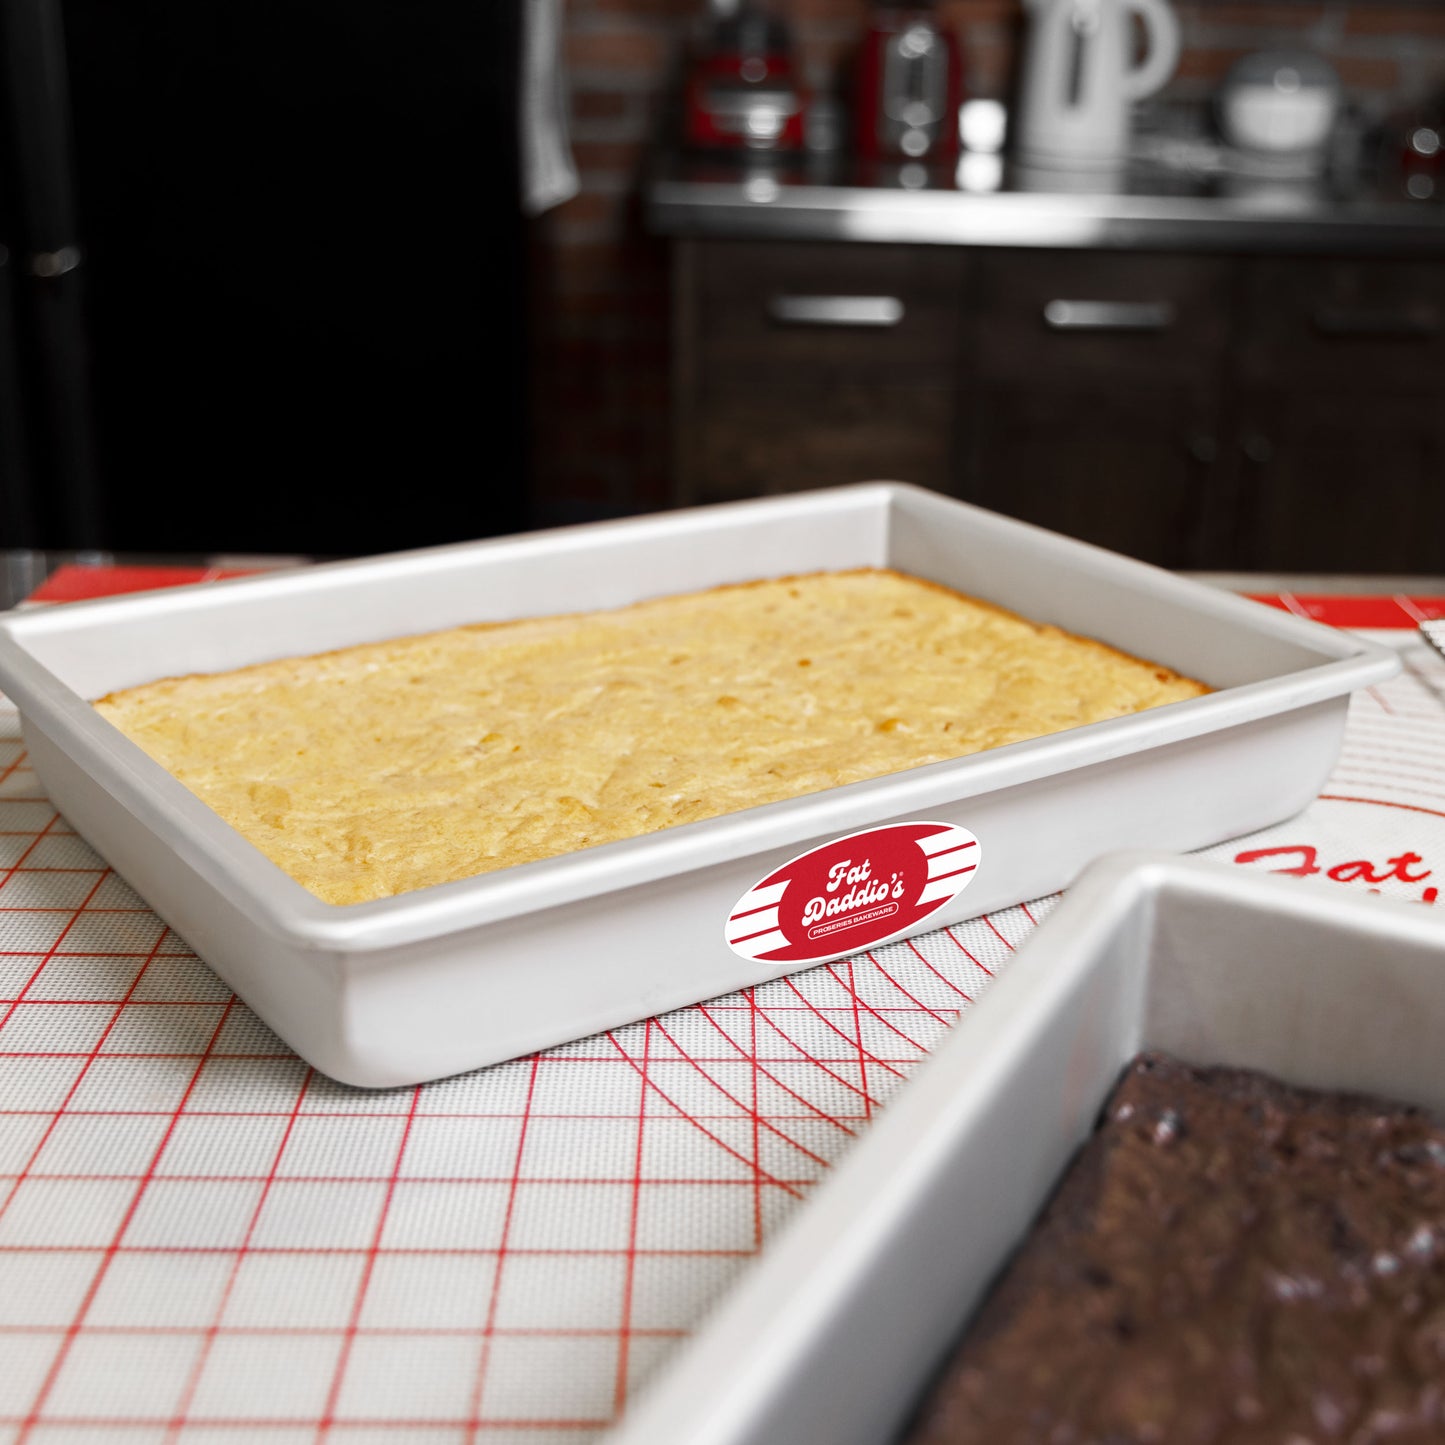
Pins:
x: 834, y: 1336
x: 466, y: 973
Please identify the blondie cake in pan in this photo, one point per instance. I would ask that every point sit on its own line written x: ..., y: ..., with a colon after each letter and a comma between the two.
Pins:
x: 386, y: 767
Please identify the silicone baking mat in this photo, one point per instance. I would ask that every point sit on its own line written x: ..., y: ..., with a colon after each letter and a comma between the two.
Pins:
x: 202, y: 1239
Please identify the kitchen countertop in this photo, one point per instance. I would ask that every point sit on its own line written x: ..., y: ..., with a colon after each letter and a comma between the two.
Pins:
x: 982, y: 201
x: 202, y: 1239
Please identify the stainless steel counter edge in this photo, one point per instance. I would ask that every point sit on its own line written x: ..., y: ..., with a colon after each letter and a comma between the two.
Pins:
x: 1268, y: 221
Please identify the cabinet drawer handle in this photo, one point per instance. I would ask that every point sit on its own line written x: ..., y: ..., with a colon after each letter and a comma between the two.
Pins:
x: 879, y: 311
x: 1256, y: 448
x: 1203, y: 448
x: 1109, y: 315
x: 1379, y: 321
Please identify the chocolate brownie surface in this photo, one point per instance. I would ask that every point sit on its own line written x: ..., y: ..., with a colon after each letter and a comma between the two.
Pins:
x: 1228, y: 1259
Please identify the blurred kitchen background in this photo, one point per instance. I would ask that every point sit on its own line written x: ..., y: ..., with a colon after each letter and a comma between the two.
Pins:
x: 1167, y: 276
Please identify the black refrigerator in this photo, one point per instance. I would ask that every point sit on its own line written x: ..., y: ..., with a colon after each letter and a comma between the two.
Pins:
x: 267, y: 281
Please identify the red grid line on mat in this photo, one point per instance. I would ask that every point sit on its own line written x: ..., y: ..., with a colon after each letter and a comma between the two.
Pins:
x: 32, y: 1418
x: 813, y: 1115
x: 971, y: 957
x: 921, y: 1007
x: 882, y: 1060
x: 203, y: 1355
x: 26, y: 1169
x: 993, y: 928
x: 328, y: 1416
x: 50, y: 868
x: 629, y: 1278
x: 104, y: 1002
x: 361, y: 1251
x: 940, y: 976
x: 44, y: 955
x: 381, y: 1331
x: 1382, y: 803
x: 647, y: 1084
x: 863, y: 1055
x: 754, y: 1111
x: 479, y: 1385
x: 13, y: 767
x: 754, y: 1012
x: 783, y: 1181
x: 17, y: 908
x: 757, y: 1179
x: 861, y: 1003
x: 306, y: 1422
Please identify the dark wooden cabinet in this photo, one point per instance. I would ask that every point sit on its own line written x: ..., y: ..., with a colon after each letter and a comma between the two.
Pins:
x: 748, y: 442
x: 1337, y: 430
x: 1339, y: 481
x: 1349, y: 325
x: 1110, y: 468
x: 754, y: 326
x: 1090, y: 400
x: 1226, y: 412
x: 779, y: 392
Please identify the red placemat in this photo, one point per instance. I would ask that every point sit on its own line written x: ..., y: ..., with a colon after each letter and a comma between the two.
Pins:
x: 1381, y: 612
x: 74, y: 582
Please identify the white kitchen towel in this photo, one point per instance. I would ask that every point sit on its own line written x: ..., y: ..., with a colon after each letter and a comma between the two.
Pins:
x: 549, y: 173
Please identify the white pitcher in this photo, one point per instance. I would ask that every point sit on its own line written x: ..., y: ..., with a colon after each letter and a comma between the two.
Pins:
x: 1079, y: 79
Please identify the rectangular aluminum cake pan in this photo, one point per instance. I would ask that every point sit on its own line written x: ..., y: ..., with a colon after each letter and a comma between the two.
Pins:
x: 836, y: 1334
x: 447, y: 978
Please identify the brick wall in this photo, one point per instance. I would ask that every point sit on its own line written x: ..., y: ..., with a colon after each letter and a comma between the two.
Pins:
x: 1382, y: 52
x: 600, y: 303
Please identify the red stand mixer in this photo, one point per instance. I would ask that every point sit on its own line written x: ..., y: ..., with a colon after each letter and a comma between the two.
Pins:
x: 744, y: 91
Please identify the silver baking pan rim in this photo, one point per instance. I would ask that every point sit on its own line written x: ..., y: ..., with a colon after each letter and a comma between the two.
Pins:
x: 253, y: 883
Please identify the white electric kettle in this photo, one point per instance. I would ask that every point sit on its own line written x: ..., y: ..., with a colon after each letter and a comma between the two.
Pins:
x: 1079, y: 76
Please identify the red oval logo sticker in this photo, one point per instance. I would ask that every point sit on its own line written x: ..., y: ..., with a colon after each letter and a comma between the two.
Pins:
x: 852, y: 893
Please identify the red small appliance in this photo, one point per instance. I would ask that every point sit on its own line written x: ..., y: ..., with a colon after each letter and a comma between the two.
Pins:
x: 744, y: 91
x: 908, y: 85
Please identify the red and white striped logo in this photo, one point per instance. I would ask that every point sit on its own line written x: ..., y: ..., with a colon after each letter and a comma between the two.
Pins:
x: 853, y: 893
